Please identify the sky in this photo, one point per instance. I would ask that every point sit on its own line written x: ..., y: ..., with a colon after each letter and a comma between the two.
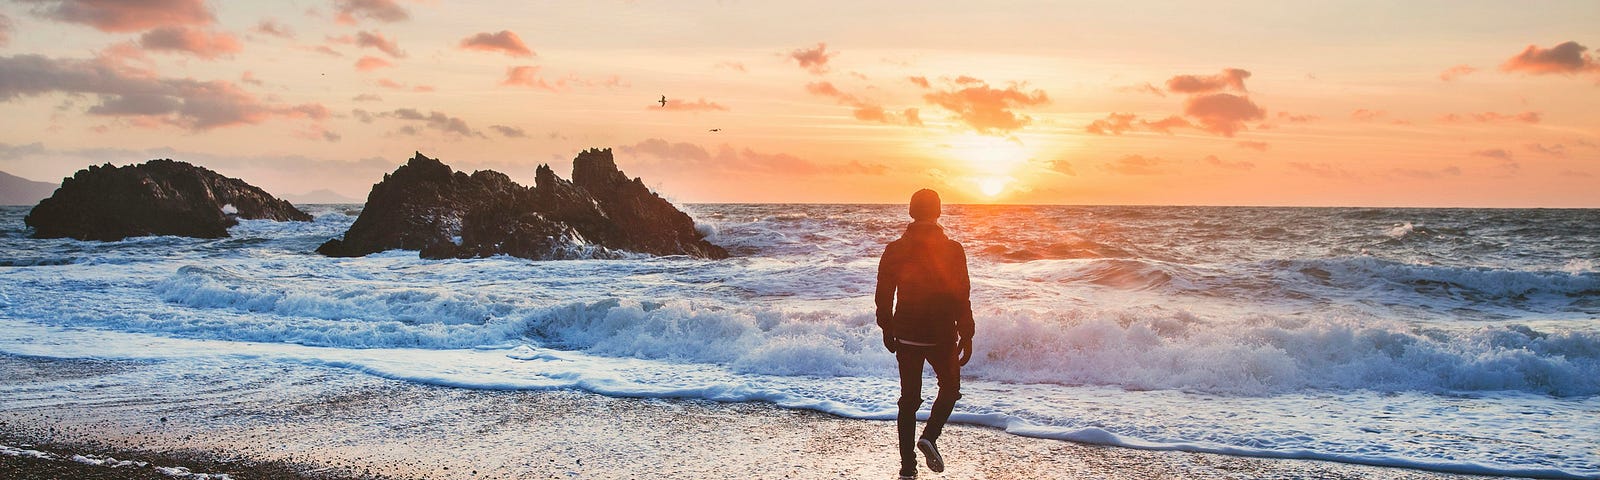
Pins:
x: 1350, y: 103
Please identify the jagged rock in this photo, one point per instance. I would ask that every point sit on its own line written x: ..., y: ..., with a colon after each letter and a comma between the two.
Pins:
x: 158, y: 197
x: 426, y: 206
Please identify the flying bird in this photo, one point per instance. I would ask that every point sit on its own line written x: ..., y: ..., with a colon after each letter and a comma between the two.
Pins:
x: 663, y: 101
x: 716, y: 130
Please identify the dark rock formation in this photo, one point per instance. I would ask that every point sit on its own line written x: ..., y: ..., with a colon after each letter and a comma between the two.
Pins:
x: 426, y: 206
x: 159, y: 197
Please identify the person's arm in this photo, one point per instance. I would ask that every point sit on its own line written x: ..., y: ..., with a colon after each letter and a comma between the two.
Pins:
x: 887, y: 278
x: 965, y: 327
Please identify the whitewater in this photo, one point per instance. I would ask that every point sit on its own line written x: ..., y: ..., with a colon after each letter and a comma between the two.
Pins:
x: 1459, y: 340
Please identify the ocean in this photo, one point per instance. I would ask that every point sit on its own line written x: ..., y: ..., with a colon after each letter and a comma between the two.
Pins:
x: 1458, y: 340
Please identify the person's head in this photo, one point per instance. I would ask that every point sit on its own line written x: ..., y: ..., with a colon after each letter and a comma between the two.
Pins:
x: 925, y: 205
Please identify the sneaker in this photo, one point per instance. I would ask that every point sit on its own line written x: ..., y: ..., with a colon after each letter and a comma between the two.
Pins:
x: 931, y: 452
x: 908, y: 471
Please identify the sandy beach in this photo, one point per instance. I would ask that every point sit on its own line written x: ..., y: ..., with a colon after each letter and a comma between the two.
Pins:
x: 265, y: 421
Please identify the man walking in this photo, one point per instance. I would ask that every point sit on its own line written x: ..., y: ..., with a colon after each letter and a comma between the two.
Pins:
x: 925, y: 310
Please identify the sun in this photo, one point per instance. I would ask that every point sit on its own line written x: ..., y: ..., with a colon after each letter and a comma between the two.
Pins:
x: 992, y: 186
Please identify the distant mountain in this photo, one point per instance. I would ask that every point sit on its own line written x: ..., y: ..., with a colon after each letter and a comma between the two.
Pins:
x: 319, y: 196
x: 15, y: 190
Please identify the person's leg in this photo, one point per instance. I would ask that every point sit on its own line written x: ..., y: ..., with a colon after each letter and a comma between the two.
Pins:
x: 910, y: 360
x: 947, y: 367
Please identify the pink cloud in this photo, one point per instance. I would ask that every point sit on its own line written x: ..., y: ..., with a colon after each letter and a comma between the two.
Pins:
x: 271, y: 27
x: 732, y: 65
x: 1135, y: 165
x: 250, y: 78
x: 1557, y: 150
x: 1221, y: 113
x: 1323, y: 170
x: 143, y: 99
x: 681, y: 156
x: 526, y: 76
x: 1143, y: 88
x: 5, y: 29
x: 1228, y: 79
x: 126, y: 15
x: 920, y: 81
x: 1365, y: 115
x: 1455, y: 72
x: 987, y: 109
x: 325, y: 50
x: 1117, y: 123
x: 369, y: 63
x: 1257, y: 146
x: 700, y: 105
x: 191, y: 41
x: 1495, y: 153
x: 1235, y: 165
x: 380, y: 42
x: 864, y: 110
x: 814, y: 60
x: 1450, y: 171
x: 504, y: 41
x: 509, y: 131
x: 1491, y: 117
x: 381, y: 10
x: 1293, y: 118
x: 367, y: 97
x: 433, y: 120
x: 1567, y: 58
x: 393, y: 85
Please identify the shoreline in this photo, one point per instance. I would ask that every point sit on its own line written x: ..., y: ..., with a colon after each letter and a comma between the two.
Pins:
x: 267, y: 420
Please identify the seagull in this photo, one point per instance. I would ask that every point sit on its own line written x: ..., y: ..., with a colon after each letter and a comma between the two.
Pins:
x: 663, y: 101
x: 716, y: 130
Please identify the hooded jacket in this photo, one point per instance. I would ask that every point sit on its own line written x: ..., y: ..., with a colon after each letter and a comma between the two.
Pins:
x: 923, y: 293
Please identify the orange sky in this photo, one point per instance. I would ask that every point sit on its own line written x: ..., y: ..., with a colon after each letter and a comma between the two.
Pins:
x: 1236, y: 103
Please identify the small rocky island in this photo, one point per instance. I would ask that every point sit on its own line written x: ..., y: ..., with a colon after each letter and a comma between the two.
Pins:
x: 158, y: 197
x: 426, y: 206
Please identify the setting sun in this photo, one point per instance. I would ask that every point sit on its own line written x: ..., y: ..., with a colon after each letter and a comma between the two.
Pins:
x: 992, y: 186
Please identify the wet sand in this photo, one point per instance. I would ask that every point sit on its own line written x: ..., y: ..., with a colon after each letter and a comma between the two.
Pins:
x: 250, y: 420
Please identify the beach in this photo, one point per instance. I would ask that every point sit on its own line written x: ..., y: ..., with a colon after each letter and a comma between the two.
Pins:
x: 265, y: 421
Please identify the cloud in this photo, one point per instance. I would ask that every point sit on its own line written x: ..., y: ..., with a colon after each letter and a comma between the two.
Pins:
x: 503, y: 41
x: 1365, y: 115
x: 1222, y: 113
x: 814, y: 60
x: 434, y: 120
x: 393, y: 85
x: 5, y: 29
x: 1567, y: 58
x: 1455, y: 72
x: 325, y: 50
x: 1220, y: 163
x: 1450, y: 171
x: 864, y: 110
x: 1228, y: 79
x: 1061, y: 166
x: 250, y: 78
x: 1117, y: 123
x: 367, y: 97
x: 1491, y: 117
x: 125, y: 15
x: 732, y: 65
x: 1143, y: 88
x: 187, y: 103
x: 986, y: 109
x: 509, y: 131
x: 700, y: 105
x: 681, y: 156
x: 369, y: 63
x: 188, y: 40
x: 920, y: 81
x: 526, y: 76
x: 1495, y: 153
x: 378, y: 41
x: 271, y: 27
x: 381, y: 10
x: 1557, y: 150
x: 1293, y: 118
x: 1257, y: 146
x: 1135, y: 165
x: 1323, y: 170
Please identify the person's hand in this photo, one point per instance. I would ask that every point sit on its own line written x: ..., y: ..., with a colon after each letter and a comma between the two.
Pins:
x: 966, y: 351
x: 888, y: 342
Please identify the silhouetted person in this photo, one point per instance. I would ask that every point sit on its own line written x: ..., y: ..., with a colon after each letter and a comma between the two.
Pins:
x: 925, y: 310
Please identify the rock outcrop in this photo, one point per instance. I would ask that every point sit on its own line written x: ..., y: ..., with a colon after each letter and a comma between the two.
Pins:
x: 426, y: 206
x: 158, y: 197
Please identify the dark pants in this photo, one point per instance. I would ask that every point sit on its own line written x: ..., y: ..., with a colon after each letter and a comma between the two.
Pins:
x: 947, y: 368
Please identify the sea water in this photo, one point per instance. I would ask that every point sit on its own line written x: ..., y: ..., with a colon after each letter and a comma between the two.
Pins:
x: 1464, y: 340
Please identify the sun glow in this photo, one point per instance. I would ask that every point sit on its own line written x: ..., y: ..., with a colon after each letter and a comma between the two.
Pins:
x: 990, y: 163
x: 992, y: 186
